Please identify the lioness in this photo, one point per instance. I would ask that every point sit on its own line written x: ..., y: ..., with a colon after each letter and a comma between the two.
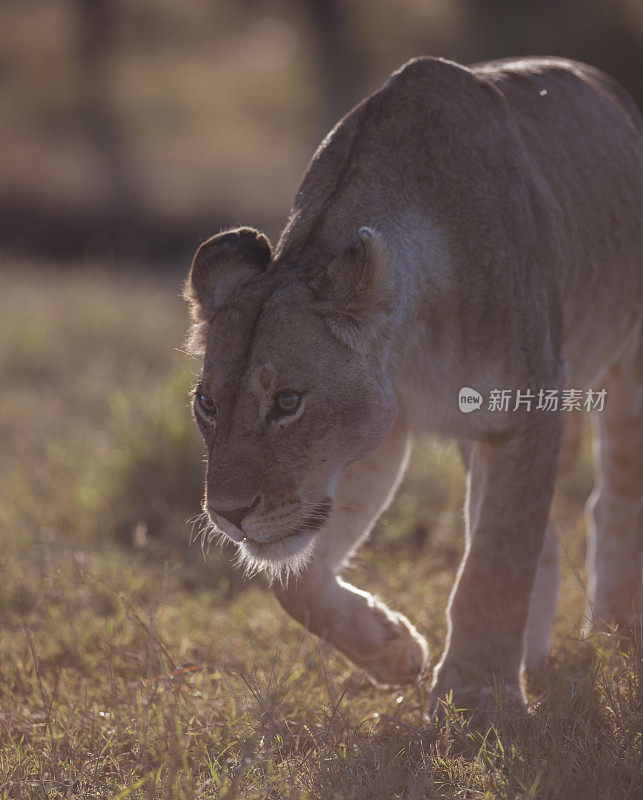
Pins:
x: 461, y: 227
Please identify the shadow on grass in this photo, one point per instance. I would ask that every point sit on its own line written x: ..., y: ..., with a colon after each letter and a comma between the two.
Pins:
x: 297, y: 724
x: 581, y: 740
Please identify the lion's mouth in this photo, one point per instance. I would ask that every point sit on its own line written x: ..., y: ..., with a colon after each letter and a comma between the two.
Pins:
x: 311, y: 524
x: 279, y: 559
x: 288, y: 554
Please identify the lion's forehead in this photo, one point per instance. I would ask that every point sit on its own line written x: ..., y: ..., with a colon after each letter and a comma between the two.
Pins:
x: 257, y: 341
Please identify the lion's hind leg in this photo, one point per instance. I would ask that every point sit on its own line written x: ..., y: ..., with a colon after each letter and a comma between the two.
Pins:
x: 381, y: 641
x: 615, y: 548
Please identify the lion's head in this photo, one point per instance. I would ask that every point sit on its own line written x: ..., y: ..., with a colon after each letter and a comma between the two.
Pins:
x: 293, y: 387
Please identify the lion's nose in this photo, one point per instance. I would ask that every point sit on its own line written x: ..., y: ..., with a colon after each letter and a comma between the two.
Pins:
x: 237, y: 515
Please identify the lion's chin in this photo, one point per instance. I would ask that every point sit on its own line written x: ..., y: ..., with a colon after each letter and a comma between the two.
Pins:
x: 280, y: 560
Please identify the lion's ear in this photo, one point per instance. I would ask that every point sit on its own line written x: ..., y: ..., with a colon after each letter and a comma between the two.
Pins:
x: 355, y: 293
x: 220, y: 265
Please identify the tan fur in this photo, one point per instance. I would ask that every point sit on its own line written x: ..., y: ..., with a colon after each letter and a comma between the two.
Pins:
x: 461, y: 227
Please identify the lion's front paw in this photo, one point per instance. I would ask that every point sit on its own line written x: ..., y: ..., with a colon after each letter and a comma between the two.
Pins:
x: 400, y: 656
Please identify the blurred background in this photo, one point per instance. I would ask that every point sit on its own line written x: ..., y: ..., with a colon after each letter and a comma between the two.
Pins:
x: 135, y: 128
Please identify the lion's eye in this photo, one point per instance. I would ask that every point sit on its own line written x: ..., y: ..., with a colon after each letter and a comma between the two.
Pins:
x: 207, y: 405
x: 288, y: 402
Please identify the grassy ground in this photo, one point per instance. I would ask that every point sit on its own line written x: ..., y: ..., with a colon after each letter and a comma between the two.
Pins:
x: 130, y: 667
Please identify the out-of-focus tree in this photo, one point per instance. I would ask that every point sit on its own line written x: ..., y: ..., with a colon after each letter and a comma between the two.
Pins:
x: 96, y: 28
x: 340, y: 68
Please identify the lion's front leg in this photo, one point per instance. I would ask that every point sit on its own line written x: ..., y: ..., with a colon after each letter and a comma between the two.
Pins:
x: 375, y: 638
x: 380, y: 641
x: 511, y: 483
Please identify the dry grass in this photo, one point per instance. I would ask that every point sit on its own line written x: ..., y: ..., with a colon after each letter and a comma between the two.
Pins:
x: 131, y: 668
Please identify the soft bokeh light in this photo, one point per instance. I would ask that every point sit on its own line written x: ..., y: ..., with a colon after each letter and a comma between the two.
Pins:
x: 269, y: 43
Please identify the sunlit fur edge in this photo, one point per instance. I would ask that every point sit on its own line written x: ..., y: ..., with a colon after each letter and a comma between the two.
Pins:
x: 282, y: 564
